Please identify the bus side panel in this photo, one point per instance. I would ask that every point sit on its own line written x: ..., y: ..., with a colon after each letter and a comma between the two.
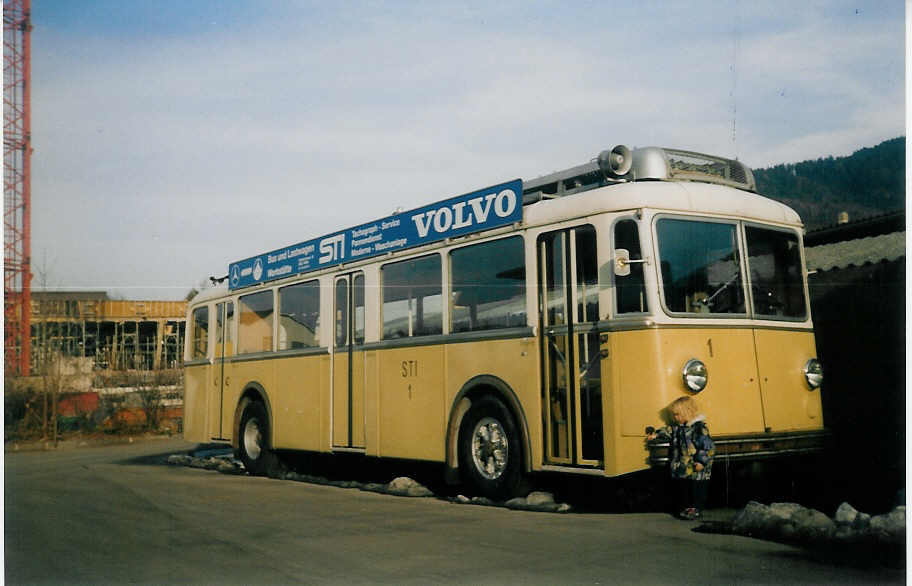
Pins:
x: 325, y: 443
x: 340, y: 399
x: 788, y: 403
x: 242, y: 374
x: 196, y: 401
x: 371, y: 403
x: 411, y: 404
x: 513, y: 361
x: 297, y: 403
x: 632, y: 392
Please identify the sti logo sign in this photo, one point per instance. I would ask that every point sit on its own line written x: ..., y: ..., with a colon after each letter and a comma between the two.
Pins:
x: 493, y: 207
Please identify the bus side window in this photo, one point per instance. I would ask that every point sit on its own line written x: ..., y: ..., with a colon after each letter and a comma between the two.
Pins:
x: 255, y: 326
x: 412, y: 299
x: 587, y: 303
x: 489, y: 286
x: 200, y: 333
x: 358, y: 308
x: 630, y: 290
x: 299, y: 315
x: 229, y: 327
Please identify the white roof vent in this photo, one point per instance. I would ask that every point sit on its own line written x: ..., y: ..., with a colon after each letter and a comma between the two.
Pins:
x: 676, y: 165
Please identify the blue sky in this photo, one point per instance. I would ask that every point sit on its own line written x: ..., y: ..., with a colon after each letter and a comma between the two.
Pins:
x: 171, y: 138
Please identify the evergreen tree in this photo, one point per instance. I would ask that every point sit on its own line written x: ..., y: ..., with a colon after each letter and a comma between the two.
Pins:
x: 869, y: 182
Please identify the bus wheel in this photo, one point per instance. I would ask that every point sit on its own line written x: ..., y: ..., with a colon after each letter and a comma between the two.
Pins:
x: 253, y: 443
x: 490, y: 455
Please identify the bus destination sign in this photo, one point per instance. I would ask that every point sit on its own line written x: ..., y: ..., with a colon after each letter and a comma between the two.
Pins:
x: 493, y: 207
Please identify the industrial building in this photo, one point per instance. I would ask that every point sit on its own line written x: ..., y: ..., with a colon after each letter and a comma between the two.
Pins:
x: 116, y: 334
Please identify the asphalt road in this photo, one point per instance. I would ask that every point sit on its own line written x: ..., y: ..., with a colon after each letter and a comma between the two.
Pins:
x: 111, y: 515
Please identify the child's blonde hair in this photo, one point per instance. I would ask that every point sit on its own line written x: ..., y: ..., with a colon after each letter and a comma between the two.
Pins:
x: 685, y: 406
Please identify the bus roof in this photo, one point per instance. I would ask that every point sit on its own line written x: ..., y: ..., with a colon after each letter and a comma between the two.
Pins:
x: 208, y: 295
x: 687, y: 197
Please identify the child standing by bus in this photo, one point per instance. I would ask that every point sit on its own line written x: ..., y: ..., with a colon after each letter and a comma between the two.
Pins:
x: 691, y: 455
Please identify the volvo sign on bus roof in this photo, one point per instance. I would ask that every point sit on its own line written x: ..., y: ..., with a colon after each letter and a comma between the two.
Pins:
x: 485, y: 209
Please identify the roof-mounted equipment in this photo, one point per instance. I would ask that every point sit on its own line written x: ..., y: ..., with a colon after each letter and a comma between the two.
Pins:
x: 616, y: 162
x: 621, y: 165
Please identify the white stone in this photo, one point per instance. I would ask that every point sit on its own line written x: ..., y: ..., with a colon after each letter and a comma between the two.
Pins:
x: 408, y: 487
x: 784, y: 511
x: 861, y: 523
x: 420, y: 490
x: 786, y: 521
x: 812, y: 524
x: 845, y: 514
x: 748, y: 519
x: 401, y: 483
x: 890, y: 527
x: 792, y: 522
x: 540, y: 498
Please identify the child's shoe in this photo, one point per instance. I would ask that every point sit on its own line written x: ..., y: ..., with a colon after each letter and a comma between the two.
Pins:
x: 690, y: 514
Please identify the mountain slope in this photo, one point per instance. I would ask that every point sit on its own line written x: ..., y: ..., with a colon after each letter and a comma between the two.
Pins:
x: 869, y: 182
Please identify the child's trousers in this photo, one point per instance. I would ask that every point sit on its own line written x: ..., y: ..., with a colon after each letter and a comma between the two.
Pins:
x: 691, y: 493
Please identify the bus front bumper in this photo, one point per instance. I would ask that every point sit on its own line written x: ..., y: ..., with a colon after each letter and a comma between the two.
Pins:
x: 752, y: 446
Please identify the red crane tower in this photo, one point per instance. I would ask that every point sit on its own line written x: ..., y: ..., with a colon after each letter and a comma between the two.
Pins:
x: 17, y: 152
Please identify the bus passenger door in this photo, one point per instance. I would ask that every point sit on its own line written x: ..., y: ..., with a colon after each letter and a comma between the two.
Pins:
x: 348, y: 362
x: 571, y: 361
x: 224, y: 319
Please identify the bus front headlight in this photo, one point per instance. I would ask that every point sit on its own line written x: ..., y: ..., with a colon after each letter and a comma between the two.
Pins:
x: 813, y: 373
x: 695, y: 375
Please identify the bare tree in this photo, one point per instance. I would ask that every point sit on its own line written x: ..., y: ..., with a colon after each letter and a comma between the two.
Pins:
x: 56, y: 378
x: 149, y: 388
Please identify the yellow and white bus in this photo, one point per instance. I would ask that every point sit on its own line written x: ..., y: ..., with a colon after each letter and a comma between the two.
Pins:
x: 530, y: 326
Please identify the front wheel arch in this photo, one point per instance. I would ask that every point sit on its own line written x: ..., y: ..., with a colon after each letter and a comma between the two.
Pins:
x: 254, y: 392
x: 473, y: 390
x: 254, y: 441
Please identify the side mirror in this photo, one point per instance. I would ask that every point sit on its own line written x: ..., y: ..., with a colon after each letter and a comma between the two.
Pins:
x: 621, y: 262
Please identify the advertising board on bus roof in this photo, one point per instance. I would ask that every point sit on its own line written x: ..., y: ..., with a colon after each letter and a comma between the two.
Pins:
x: 485, y: 209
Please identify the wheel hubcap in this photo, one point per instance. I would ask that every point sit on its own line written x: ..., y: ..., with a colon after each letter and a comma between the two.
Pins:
x: 252, y: 439
x: 490, y: 448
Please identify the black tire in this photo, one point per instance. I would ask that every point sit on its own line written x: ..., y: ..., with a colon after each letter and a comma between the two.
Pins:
x: 490, y: 452
x: 254, y: 442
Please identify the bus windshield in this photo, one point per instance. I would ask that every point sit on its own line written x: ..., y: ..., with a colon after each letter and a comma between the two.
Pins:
x: 777, y: 286
x: 702, y: 269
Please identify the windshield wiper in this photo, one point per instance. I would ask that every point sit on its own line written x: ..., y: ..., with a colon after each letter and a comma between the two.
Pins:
x: 708, y: 301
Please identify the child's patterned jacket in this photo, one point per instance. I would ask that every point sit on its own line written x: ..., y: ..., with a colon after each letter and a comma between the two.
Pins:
x: 690, y: 443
